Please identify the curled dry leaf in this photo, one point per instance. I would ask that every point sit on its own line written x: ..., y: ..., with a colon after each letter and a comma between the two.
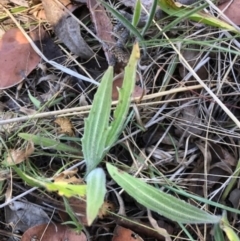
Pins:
x: 53, y: 232
x: 121, y: 233
x: 66, y: 126
x: 68, y: 177
x: 231, y: 10
x: 17, y: 156
x: 14, y: 70
x: 66, y: 28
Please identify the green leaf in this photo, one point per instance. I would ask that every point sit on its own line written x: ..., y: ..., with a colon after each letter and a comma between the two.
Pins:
x: 218, y: 233
x: 174, y: 9
x: 48, y: 143
x: 72, y: 214
x: 137, y: 13
x: 96, y: 190
x: 63, y: 188
x: 35, y: 101
x: 97, y: 124
x: 124, y: 21
x: 151, y: 16
x: 160, y: 202
x: 66, y: 189
x: 226, y: 227
x: 125, y: 92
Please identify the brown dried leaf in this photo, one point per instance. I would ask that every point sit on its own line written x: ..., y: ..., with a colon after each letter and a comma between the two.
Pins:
x: 53, y: 232
x: 232, y: 11
x: 121, y: 233
x: 66, y: 28
x: 66, y: 126
x: 117, y: 83
x: 17, y: 156
x: 103, y: 26
x: 193, y: 56
x: 13, y: 69
x: 68, y: 177
x: 107, y: 206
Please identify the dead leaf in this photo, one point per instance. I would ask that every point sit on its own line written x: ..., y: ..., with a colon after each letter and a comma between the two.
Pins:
x: 53, y: 232
x: 234, y: 198
x: 79, y: 208
x: 223, y: 154
x: 68, y: 177
x: 66, y: 126
x: 17, y: 156
x: 232, y: 11
x: 124, y: 234
x: 47, y: 45
x: 117, y: 83
x: 189, y: 123
x: 23, y: 215
x: 107, y: 206
x: 13, y: 69
x: 66, y: 28
x: 103, y: 26
x: 193, y: 56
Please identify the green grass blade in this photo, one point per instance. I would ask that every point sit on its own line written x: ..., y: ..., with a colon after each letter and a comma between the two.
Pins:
x: 96, y: 190
x: 218, y: 233
x: 137, y: 13
x: 125, y: 92
x: 170, y: 7
x: 160, y: 202
x: 72, y: 214
x: 151, y: 16
x: 226, y: 227
x: 97, y: 124
x: 48, y: 143
x: 124, y: 21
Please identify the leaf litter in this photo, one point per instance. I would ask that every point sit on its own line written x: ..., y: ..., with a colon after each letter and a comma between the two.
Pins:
x: 183, y: 135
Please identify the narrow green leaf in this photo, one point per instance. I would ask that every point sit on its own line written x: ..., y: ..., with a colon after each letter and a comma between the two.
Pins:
x: 48, y: 143
x: 124, y: 21
x: 160, y: 202
x: 35, y: 101
x: 63, y: 188
x: 218, y: 233
x: 96, y: 190
x: 151, y: 16
x: 137, y: 13
x: 226, y: 227
x: 28, y: 179
x: 72, y: 214
x: 171, y: 8
x: 97, y: 124
x: 125, y: 92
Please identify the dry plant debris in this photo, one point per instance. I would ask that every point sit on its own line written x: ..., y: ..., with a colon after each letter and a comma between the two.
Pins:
x: 177, y: 130
x: 46, y: 232
x: 18, y: 58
